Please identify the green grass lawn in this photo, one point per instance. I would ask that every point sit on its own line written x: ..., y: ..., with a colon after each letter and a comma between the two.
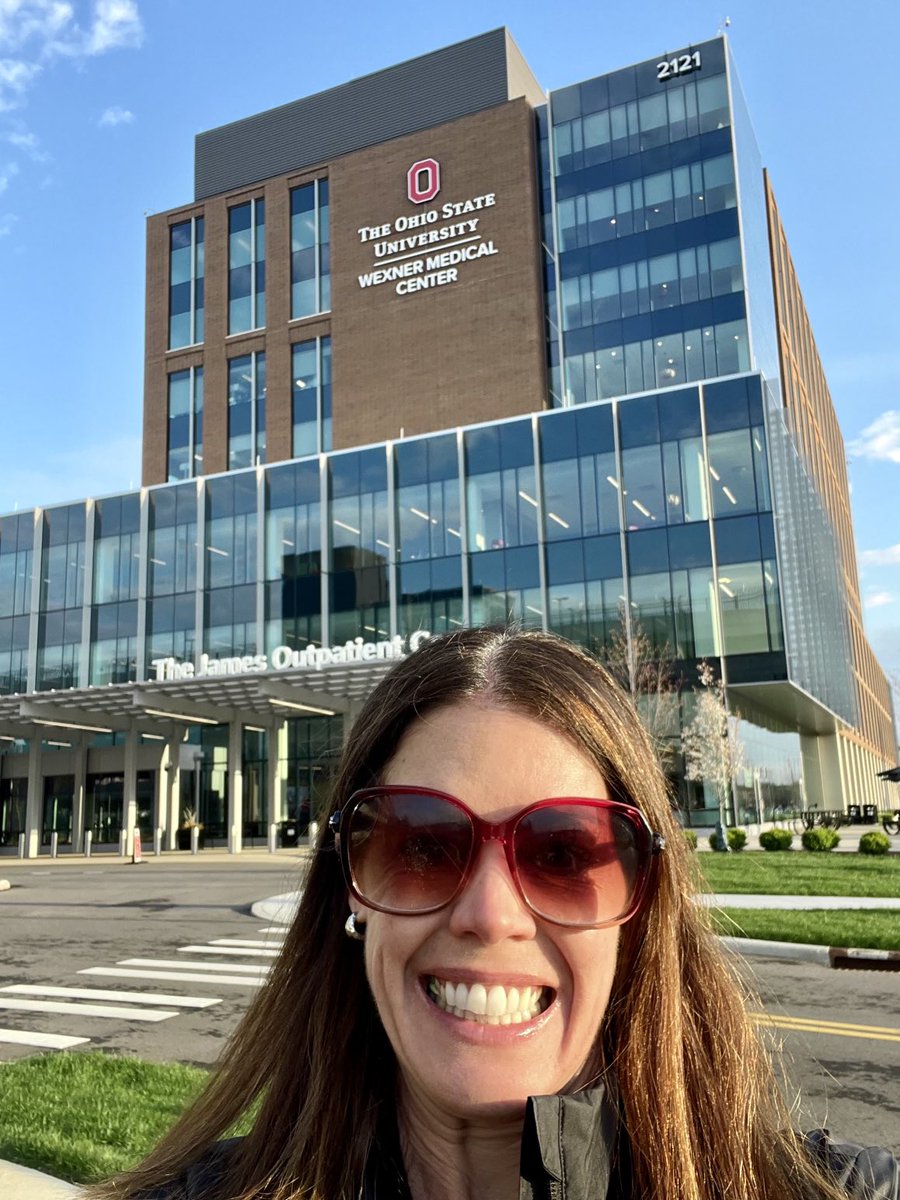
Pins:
x: 82, y: 1117
x: 790, y: 873
x: 870, y: 929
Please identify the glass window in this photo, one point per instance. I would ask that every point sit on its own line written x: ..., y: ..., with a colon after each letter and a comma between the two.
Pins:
x: 310, y: 249
x: 743, y: 605
x: 246, y: 410
x: 731, y: 473
x: 247, y: 266
x: 185, y: 424
x: 186, y: 279
x: 311, y: 397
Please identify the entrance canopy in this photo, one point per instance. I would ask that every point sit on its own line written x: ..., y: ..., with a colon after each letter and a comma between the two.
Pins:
x: 150, y: 707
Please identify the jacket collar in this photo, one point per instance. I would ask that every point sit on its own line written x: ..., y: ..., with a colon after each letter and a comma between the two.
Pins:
x: 570, y: 1146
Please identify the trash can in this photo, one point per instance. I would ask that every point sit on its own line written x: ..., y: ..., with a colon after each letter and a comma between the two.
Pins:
x: 290, y: 833
x: 870, y: 814
x: 854, y: 813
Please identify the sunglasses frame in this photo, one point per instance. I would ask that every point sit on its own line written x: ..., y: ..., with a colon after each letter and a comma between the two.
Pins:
x: 650, y: 844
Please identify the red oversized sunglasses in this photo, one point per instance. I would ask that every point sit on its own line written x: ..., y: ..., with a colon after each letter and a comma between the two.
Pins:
x: 575, y: 862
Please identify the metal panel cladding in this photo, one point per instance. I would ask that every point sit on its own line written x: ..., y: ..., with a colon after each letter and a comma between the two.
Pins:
x: 411, y: 96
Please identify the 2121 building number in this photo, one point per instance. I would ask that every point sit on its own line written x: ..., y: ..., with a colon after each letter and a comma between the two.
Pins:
x: 683, y: 64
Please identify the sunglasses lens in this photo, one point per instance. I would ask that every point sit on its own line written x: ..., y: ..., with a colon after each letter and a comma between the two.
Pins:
x: 579, y: 864
x: 408, y: 852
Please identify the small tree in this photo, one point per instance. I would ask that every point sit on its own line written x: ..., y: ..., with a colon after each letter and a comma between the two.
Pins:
x: 645, y: 670
x: 713, y: 751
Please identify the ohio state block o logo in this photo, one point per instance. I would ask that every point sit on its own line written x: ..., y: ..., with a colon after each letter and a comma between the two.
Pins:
x: 423, y: 180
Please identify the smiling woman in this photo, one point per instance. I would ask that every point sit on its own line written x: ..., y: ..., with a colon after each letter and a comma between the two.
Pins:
x: 497, y: 985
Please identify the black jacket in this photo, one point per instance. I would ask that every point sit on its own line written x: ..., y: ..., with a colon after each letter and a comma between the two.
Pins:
x: 572, y: 1149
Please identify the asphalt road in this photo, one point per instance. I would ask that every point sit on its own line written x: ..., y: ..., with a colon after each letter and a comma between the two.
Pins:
x: 836, y: 1033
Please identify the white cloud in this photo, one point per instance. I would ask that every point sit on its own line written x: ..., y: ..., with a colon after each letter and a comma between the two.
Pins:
x: 7, y: 221
x: 888, y: 557
x: 878, y: 599
x: 116, y: 115
x: 28, y: 143
x: 35, y: 31
x: 6, y: 174
x: 880, y: 440
x: 116, y: 24
x: 16, y: 76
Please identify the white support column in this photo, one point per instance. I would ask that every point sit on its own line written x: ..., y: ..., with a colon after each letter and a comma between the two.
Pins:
x: 34, y: 805
x: 172, y: 786
x: 129, y: 792
x: 235, y: 786
x: 276, y: 774
x: 78, y: 798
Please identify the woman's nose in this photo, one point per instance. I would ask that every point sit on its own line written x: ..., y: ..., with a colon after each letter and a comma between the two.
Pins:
x: 490, y: 906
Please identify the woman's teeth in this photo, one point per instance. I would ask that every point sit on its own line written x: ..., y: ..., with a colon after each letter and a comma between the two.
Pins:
x: 493, y: 1005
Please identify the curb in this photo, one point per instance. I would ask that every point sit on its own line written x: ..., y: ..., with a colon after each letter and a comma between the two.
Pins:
x: 842, y: 958
x: 282, y: 909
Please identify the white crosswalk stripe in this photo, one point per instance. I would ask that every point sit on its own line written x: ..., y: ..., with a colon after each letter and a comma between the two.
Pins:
x: 275, y: 930
x: 239, y: 952
x: 182, y: 964
x: 104, y: 1011
x: 261, y: 945
x: 41, y: 1041
x: 70, y: 993
x: 183, y: 976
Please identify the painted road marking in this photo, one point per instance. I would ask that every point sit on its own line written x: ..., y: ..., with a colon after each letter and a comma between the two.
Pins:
x: 878, y: 1033
x: 276, y: 930
x: 47, y: 1041
x: 181, y: 976
x: 28, y: 989
x: 263, y: 945
x: 183, y: 965
x: 241, y: 953
x: 112, y: 1011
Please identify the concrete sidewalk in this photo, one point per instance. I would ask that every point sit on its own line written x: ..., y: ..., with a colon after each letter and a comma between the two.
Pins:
x: 21, y: 1183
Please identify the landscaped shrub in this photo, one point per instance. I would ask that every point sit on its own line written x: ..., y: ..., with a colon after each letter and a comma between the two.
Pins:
x: 875, y: 842
x: 820, y: 838
x: 776, y: 839
x: 690, y: 837
x: 737, y: 839
x: 714, y: 842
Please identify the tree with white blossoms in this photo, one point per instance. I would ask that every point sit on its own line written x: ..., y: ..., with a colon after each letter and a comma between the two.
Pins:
x: 713, y: 751
x: 646, y: 670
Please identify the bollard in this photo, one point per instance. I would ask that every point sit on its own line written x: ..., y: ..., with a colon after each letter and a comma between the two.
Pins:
x: 123, y: 842
x: 54, y: 844
x: 157, y: 842
x: 88, y: 842
x: 273, y: 838
x: 233, y: 840
x: 195, y: 839
x: 313, y: 834
x: 21, y: 845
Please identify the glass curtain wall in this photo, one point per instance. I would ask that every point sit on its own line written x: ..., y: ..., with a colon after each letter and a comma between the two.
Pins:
x: 117, y: 557
x: 62, y: 597
x: 650, y: 264
x: 359, y: 591
x: 230, y: 552
x: 172, y: 574
x: 293, y: 595
x: 16, y: 580
x: 429, y: 535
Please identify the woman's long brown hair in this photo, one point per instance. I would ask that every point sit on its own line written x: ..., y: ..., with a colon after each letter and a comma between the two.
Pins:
x: 698, y: 1097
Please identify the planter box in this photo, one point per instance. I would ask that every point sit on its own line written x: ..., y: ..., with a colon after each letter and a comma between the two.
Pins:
x: 183, y: 839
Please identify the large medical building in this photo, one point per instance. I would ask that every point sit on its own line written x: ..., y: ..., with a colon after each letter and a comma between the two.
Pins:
x: 433, y: 349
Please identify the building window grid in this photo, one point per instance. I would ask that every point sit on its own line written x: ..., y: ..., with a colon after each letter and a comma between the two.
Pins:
x: 310, y: 248
x: 311, y: 390
x: 247, y: 260
x: 247, y: 410
x: 185, y: 438
x: 181, y: 335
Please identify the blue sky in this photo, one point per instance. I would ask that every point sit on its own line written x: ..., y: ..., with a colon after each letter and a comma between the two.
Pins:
x: 100, y: 101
